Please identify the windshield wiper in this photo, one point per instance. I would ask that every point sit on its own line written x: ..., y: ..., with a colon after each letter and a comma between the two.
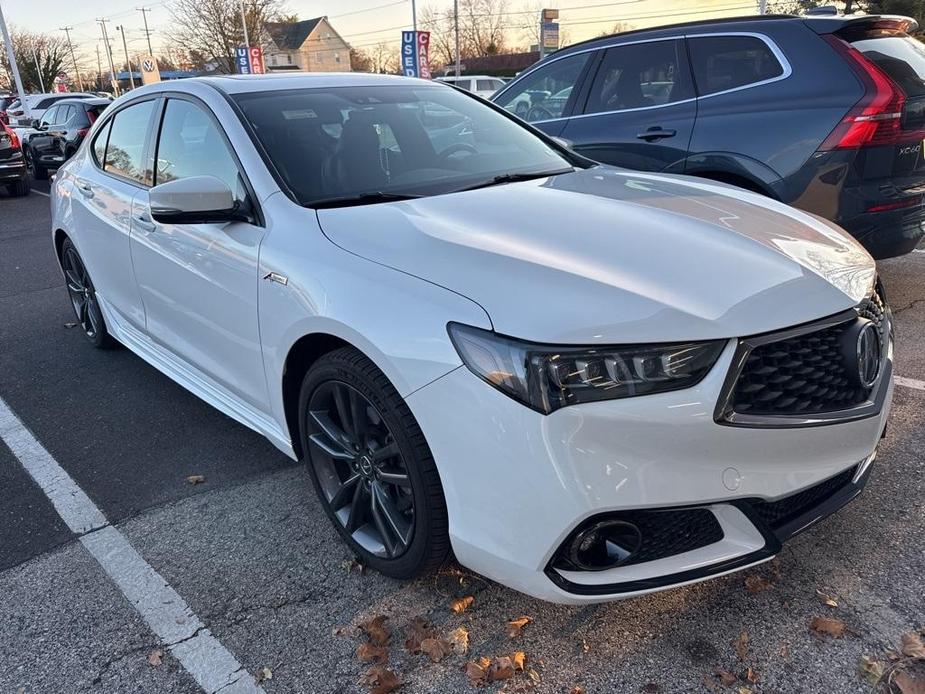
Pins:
x: 360, y: 199
x: 515, y: 178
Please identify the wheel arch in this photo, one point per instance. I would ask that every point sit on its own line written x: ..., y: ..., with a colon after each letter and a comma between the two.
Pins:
x: 736, y: 170
x: 59, y: 236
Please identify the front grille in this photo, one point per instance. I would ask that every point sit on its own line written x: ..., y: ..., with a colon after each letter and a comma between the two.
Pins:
x: 805, y: 374
x: 666, y: 533
x: 781, y: 512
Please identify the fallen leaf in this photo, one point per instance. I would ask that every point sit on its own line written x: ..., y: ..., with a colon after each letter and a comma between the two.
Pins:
x: 459, y: 640
x: 264, y: 674
x: 743, y: 690
x: 155, y: 657
x: 515, y: 626
x: 912, y: 646
x: 477, y: 671
x: 751, y: 675
x: 871, y: 669
x: 501, y: 669
x: 460, y: 605
x: 352, y: 565
x: 534, y: 676
x: 910, y: 684
x: 196, y: 479
x: 755, y: 584
x: 518, y: 658
x: 827, y: 626
x: 418, y: 631
x: 376, y: 630
x: 577, y: 689
x: 826, y: 599
x: 380, y: 680
x: 367, y: 652
x: 741, y: 645
x: 785, y: 652
x: 437, y: 649
x: 726, y: 677
x: 711, y: 684
x: 343, y: 629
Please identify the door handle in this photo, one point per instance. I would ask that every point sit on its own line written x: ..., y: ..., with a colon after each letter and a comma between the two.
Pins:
x: 656, y: 133
x: 85, y: 189
x: 144, y: 223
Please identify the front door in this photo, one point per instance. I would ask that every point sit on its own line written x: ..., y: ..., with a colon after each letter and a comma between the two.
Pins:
x: 639, y: 112
x: 198, y: 282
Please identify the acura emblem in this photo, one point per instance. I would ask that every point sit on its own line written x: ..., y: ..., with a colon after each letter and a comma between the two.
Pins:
x: 868, y: 354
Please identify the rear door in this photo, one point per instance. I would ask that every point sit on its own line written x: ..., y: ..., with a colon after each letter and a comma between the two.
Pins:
x: 640, y: 109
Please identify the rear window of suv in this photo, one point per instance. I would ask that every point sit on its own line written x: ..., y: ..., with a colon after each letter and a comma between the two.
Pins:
x: 899, y: 56
x: 722, y: 63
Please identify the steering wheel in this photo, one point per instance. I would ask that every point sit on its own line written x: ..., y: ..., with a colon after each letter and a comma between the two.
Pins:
x: 455, y: 148
x: 538, y: 113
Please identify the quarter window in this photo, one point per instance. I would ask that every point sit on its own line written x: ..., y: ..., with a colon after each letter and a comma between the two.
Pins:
x: 125, y: 151
x: 544, y: 93
x: 639, y: 75
x: 99, y: 143
x: 727, y: 62
x: 190, y: 144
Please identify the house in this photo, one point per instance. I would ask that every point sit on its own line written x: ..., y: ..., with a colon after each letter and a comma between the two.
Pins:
x: 311, y: 45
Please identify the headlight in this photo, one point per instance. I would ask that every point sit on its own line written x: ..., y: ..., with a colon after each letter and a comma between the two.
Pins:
x: 547, y: 377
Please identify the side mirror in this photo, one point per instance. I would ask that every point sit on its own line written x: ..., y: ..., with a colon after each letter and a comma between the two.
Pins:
x: 195, y: 200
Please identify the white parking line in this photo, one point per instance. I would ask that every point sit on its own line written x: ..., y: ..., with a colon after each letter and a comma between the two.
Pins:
x: 909, y: 383
x: 40, y: 192
x: 162, y: 608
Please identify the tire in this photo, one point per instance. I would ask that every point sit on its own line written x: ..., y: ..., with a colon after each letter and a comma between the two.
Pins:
x: 399, y: 439
x: 83, y: 298
x: 39, y: 173
x: 19, y: 188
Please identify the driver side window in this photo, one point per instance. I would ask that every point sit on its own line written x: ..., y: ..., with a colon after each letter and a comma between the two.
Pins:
x: 48, y: 118
x: 543, y: 94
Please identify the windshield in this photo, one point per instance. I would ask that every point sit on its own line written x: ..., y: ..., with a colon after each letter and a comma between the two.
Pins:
x: 413, y: 141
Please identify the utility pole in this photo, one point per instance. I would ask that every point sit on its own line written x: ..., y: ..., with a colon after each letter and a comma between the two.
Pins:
x: 27, y: 112
x: 112, y: 68
x: 144, y: 13
x: 456, y: 29
x: 414, y: 22
x: 131, y: 77
x: 67, y: 32
x: 244, y: 24
x: 38, y: 70
x: 763, y: 6
x: 99, y: 70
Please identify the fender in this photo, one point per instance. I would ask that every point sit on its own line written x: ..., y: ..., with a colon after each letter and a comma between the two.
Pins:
x: 762, y: 177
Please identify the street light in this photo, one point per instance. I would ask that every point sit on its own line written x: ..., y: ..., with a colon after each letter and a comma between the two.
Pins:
x: 27, y: 112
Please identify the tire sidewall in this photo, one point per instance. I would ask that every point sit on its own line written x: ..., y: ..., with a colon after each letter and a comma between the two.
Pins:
x: 101, y: 339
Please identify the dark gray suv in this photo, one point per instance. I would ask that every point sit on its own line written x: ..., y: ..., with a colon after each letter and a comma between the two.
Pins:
x: 822, y: 112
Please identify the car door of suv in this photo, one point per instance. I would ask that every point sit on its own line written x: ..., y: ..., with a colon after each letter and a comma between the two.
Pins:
x: 41, y: 140
x: 198, y: 282
x: 640, y: 109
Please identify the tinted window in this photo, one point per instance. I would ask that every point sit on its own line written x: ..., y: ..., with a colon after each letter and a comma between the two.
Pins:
x: 727, y: 62
x: 49, y: 116
x: 423, y: 140
x: 900, y: 57
x: 93, y: 112
x: 487, y: 85
x: 47, y: 101
x: 639, y: 76
x: 125, y: 151
x: 66, y: 114
x: 191, y: 145
x: 99, y: 143
x: 544, y: 93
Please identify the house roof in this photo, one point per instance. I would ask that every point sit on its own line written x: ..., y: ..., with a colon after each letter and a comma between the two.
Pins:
x: 292, y: 35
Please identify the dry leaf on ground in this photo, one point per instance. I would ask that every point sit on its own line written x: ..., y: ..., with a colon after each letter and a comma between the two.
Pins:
x: 352, y: 565
x: 501, y: 669
x: 264, y: 674
x: 743, y: 690
x: 155, y: 657
x: 459, y: 640
x: 515, y: 626
x: 460, y: 605
x: 519, y: 658
x: 871, y: 669
x: 829, y: 626
x: 741, y: 645
x: 751, y: 675
x: 477, y: 671
x: 909, y: 683
x: 726, y: 677
x: 196, y: 479
x: 826, y: 599
x: 755, y: 584
x: 912, y: 646
x: 577, y: 689
x: 418, y: 630
x: 376, y: 630
x: 367, y: 652
x: 437, y: 649
x: 380, y: 680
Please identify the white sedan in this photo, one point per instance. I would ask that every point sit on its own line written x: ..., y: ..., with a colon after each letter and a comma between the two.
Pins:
x: 586, y: 382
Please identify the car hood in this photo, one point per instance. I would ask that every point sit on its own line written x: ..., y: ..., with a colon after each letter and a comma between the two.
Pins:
x: 604, y: 255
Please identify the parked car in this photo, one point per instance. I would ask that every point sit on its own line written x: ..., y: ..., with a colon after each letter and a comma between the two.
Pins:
x: 5, y: 101
x: 589, y: 382
x: 826, y: 113
x: 13, y: 172
x: 59, y: 133
x: 37, y: 104
x: 483, y: 85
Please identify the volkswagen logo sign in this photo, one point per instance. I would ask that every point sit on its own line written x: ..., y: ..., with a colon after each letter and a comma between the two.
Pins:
x: 861, y: 351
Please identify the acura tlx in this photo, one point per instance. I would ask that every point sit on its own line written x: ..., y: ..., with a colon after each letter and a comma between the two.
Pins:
x: 585, y: 382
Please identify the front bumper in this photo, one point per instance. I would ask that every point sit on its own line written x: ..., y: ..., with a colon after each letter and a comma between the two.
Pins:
x: 517, y: 483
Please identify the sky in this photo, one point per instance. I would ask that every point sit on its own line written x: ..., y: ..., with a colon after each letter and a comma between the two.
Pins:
x: 362, y: 23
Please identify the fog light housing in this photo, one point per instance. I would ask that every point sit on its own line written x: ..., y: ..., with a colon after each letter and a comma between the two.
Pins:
x: 604, y: 545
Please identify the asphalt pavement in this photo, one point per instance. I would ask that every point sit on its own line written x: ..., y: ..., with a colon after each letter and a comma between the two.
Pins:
x: 253, y: 556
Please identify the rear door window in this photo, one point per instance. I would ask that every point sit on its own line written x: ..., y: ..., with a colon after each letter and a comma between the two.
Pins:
x: 545, y: 92
x: 722, y: 63
x: 125, y: 151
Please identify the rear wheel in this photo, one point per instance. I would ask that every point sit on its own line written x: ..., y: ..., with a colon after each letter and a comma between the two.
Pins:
x: 371, y: 466
x: 39, y: 172
x: 19, y: 188
x: 83, y: 297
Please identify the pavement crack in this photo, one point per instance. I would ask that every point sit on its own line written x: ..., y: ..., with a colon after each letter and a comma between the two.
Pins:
x: 236, y: 677
x: 192, y: 636
x: 911, y: 304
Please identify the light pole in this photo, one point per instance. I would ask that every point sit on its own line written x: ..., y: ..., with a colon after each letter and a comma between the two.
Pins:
x: 38, y: 70
x: 144, y: 13
x: 112, y: 68
x: 27, y: 112
x: 247, y: 42
x: 414, y: 21
x: 131, y: 77
x: 67, y: 32
x: 456, y: 29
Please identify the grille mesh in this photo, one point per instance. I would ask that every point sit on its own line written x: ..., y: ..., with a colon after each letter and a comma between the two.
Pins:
x: 666, y: 533
x: 778, y: 513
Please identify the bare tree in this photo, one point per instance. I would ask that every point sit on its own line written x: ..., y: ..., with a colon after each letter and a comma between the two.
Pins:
x: 442, y: 35
x: 50, y: 52
x: 384, y: 58
x: 212, y: 28
x: 484, y: 24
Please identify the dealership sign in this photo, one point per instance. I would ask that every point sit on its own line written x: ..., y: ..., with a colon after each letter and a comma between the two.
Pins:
x: 249, y: 60
x: 415, y: 54
x: 150, y: 72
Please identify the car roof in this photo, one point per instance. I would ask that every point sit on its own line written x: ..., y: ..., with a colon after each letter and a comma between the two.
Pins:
x: 94, y: 101
x: 467, y: 77
x: 237, y: 84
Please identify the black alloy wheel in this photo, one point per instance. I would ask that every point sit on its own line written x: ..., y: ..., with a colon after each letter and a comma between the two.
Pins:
x: 83, y: 296
x: 371, y: 466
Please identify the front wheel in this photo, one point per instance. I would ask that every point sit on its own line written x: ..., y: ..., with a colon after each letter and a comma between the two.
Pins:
x: 371, y: 466
x: 39, y: 172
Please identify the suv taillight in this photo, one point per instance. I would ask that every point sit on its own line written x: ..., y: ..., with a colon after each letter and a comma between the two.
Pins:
x: 877, y: 118
x: 14, y: 138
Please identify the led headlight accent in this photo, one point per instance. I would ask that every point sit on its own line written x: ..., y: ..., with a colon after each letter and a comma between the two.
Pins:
x: 548, y: 377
